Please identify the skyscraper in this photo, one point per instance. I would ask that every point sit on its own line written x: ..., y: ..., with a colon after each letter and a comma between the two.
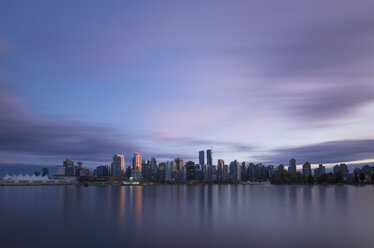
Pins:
x: 209, y: 159
x: 319, y: 171
x: 292, y: 165
x: 179, y: 163
x: 243, y: 171
x: 201, y: 158
x: 190, y: 170
x: 118, y: 165
x: 235, y: 170
x: 161, y: 171
x: 344, y: 170
x: 137, y: 162
x: 220, y: 169
x: 307, y: 169
x: 153, y: 175
x: 168, y: 170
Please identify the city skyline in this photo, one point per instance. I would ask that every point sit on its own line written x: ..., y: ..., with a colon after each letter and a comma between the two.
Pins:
x: 169, y: 79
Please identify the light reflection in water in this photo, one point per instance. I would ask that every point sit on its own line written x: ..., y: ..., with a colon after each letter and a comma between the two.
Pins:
x: 187, y: 216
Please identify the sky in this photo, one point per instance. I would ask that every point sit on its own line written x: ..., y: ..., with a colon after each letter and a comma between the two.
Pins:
x: 255, y: 80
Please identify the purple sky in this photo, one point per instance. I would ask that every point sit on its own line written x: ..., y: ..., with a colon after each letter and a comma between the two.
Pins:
x: 259, y: 81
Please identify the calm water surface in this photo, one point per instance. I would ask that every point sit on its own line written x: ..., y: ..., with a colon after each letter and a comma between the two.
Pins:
x: 187, y: 216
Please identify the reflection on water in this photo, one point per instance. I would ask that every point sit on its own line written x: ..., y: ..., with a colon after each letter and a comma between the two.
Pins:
x: 187, y: 216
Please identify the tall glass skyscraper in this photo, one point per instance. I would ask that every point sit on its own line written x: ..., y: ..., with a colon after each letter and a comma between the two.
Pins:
x: 118, y: 165
x: 220, y: 169
x: 153, y: 170
x: 292, y: 165
x: 201, y: 158
x: 137, y: 162
x: 209, y: 159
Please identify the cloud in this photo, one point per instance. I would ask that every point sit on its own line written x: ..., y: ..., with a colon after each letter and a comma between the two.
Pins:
x: 318, y: 69
x: 326, y: 152
x: 23, y: 132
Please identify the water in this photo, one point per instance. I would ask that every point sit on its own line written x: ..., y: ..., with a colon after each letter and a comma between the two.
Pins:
x: 187, y: 216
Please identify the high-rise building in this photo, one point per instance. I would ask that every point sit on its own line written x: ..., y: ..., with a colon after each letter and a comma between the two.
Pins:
x: 190, y: 170
x: 292, y: 165
x: 137, y: 162
x: 179, y: 163
x: 209, y: 157
x: 102, y: 171
x: 208, y: 172
x: 201, y: 158
x: 319, y: 171
x: 168, y: 169
x: 270, y: 171
x: 336, y: 169
x: 235, y: 170
x: 220, y: 169
x: 307, y: 169
x: 243, y: 171
x: 344, y: 170
x: 118, y: 165
x: 145, y: 168
x: 153, y: 174
x: 162, y: 171
x: 250, y: 171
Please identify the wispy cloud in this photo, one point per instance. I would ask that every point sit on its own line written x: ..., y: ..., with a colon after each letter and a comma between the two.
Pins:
x: 23, y: 132
x: 326, y: 152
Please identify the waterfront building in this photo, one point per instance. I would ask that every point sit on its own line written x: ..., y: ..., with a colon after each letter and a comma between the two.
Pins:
x: 102, y: 171
x: 168, y: 170
x: 183, y: 173
x: 198, y: 172
x: 235, y: 170
x: 153, y: 170
x: 262, y: 172
x: 270, y: 171
x: 201, y: 158
x: 344, y: 170
x: 336, y: 169
x: 243, y: 172
x: 190, y: 170
x: 204, y: 169
x: 118, y: 165
x: 209, y: 157
x: 208, y: 172
x: 179, y: 163
x: 161, y: 171
x: 220, y: 169
x: 136, y: 175
x: 225, y: 171
x: 137, y: 162
x: 292, y: 165
x: 319, y: 171
x: 128, y: 171
x: 145, y: 168
x: 307, y: 169
x: 251, y: 172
